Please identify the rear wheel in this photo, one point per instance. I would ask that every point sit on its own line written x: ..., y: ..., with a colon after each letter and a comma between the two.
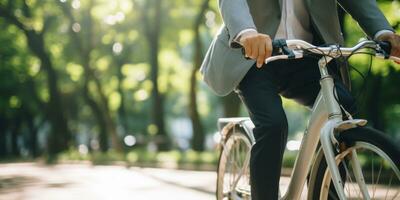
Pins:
x: 233, y: 175
x: 379, y: 160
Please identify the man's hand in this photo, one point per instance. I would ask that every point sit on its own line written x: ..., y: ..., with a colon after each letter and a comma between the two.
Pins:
x: 394, y: 40
x: 257, y: 46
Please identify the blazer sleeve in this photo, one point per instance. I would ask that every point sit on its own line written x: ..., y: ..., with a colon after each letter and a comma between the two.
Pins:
x: 236, y: 16
x: 367, y: 14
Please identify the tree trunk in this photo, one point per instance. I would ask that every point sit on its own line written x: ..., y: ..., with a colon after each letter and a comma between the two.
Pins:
x: 110, y: 124
x: 122, y: 110
x: 3, y: 132
x: 31, y: 114
x: 14, y: 136
x: 197, y: 128
x: 33, y: 148
x: 103, y: 136
x: 100, y: 110
x: 153, y: 29
x: 158, y: 100
x: 60, y: 137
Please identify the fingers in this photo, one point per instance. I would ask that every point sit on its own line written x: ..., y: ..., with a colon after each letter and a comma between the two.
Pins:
x: 269, y: 48
x: 247, y: 48
x: 254, y: 49
x: 394, y: 40
x: 257, y: 47
x: 261, y: 54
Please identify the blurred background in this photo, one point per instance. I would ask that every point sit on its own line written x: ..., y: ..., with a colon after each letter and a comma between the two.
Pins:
x: 117, y: 81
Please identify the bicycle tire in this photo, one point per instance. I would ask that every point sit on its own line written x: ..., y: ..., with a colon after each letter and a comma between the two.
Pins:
x: 361, y: 139
x: 229, y: 146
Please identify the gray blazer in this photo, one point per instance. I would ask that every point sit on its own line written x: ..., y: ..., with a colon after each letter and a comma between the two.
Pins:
x: 224, y: 66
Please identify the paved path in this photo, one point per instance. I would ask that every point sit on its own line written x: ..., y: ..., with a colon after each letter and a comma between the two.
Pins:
x: 30, y: 181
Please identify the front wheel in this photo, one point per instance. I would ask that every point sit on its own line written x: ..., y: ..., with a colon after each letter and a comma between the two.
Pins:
x: 233, y: 175
x: 377, y: 157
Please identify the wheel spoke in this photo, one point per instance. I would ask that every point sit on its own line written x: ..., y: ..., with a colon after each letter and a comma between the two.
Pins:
x: 372, y: 171
x: 396, y: 194
x: 390, y: 183
x: 377, y: 178
x: 234, y: 167
x: 351, y: 180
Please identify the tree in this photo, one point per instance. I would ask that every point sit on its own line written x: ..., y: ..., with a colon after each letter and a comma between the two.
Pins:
x: 84, y: 50
x: 60, y: 135
x: 197, y: 128
x: 152, y: 17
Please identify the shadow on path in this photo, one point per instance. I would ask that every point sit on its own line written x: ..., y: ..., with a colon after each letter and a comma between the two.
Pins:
x: 17, y: 183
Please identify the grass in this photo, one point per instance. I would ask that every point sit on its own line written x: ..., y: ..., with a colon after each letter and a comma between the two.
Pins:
x: 143, y: 157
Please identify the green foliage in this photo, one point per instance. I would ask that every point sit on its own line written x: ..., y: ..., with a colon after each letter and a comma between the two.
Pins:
x: 143, y: 157
x: 371, y: 96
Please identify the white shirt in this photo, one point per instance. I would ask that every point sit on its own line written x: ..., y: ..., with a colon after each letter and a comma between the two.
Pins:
x: 295, y: 23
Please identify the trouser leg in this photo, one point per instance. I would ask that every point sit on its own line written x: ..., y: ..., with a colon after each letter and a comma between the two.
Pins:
x: 300, y: 80
x: 264, y: 105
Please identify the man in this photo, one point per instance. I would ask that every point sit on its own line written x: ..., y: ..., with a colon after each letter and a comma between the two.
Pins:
x: 252, y: 24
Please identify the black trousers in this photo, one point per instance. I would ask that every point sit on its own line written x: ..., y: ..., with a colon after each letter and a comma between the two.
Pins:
x: 260, y: 91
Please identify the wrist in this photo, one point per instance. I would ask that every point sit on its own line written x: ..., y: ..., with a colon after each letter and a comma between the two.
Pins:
x: 244, y: 33
x: 384, y: 35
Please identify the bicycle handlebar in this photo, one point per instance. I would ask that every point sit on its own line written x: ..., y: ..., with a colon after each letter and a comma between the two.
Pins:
x: 294, y: 49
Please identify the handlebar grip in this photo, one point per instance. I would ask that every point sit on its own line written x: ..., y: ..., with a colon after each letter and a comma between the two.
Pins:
x: 280, y: 46
x: 276, y: 46
x: 386, y: 46
x: 277, y: 43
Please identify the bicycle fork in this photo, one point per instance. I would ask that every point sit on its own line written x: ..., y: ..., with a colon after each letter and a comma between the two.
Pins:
x: 327, y: 139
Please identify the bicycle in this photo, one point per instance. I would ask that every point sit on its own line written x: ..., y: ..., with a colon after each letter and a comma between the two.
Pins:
x: 345, y: 153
